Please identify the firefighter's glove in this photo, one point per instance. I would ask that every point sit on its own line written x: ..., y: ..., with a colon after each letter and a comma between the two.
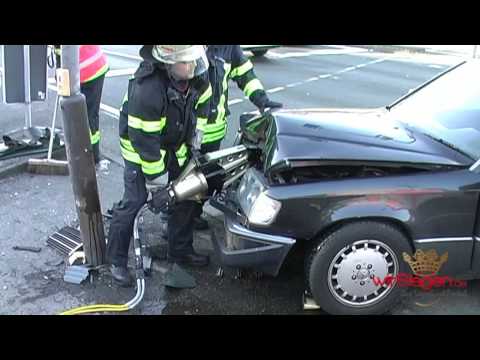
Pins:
x: 270, y: 105
x: 161, y: 200
x: 155, y: 184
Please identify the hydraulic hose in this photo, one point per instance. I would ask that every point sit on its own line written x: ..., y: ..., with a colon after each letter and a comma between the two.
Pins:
x: 139, y: 275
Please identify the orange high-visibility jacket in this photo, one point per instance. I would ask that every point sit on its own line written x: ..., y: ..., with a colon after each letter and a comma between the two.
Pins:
x: 93, y: 63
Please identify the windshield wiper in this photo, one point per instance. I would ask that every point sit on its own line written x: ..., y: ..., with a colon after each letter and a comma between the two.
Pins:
x: 447, y: 144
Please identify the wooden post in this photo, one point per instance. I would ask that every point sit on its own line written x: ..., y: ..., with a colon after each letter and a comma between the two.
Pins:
x: 80, y: 156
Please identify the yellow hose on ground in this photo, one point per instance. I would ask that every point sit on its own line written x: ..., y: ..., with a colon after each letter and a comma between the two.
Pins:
x: 140, y: 281
x: 96, y: 308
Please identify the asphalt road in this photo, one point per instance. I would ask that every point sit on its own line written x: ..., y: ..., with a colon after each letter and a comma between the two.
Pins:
x: 299, y: 77
x: 316, y: 76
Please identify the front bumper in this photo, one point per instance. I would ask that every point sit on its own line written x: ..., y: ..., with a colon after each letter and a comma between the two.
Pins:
x: 244, y: 248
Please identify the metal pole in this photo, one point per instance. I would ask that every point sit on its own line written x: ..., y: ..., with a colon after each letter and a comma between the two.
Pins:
x: 52, y: 129
x: 80, y: 158
x: 26, y: 80
x: 475, y: 51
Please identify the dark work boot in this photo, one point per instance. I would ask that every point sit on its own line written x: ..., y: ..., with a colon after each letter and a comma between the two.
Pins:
x: 191, y: 259
x: 121, y: 276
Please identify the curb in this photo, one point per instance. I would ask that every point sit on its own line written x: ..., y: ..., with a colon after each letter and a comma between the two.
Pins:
x: 13, y: 169
x: 18, y: 165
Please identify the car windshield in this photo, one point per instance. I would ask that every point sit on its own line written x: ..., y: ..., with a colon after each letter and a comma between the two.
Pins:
x: 447, y: 109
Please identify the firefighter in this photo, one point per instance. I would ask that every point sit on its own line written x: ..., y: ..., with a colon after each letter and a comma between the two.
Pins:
x: 93, y: 68
x: 227, y: 62
x: 157, y: 125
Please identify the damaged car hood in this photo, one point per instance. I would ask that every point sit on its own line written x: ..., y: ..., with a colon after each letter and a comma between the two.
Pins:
x: 297, y: 137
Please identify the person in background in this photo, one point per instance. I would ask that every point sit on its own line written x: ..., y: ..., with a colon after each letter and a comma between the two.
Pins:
x: 93, y: 68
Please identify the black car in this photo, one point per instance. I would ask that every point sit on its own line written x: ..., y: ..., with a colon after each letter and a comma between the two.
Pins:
x: 365, y: 190
x: 258, y: 50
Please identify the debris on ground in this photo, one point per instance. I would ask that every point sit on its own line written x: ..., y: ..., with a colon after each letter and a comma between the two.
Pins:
x: 34, y: 249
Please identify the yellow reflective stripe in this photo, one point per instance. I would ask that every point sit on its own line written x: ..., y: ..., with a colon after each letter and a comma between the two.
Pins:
x: 205, y: 96
x: 146, y: 126
x: 181, y: 161
x: 216, y: 131
x: 181, y: 154
x: 252, y: 86
x: 149, y: 168
x: 211, y: 128
x: 127, y: 145
x: 213, y: 137
x: 214, y: 134
x: 221, y: 109
x: 182, y: 151
x: 103, y: 70
x: 242, y: 69
x: 95, y: 138
x: 221, y: 104
x: 131, y: 156
x: 201, y: 121
x: 227, y: 68
x: 155, y: 167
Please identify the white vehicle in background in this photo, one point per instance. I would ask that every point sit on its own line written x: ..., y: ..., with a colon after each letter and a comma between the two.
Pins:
x: 258, y: 50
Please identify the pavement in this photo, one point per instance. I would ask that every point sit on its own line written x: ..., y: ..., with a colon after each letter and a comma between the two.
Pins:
x: 33, y: 207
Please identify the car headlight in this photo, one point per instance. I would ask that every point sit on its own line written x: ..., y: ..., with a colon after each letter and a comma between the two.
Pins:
x: 264, y: 210
x: 257, y: 206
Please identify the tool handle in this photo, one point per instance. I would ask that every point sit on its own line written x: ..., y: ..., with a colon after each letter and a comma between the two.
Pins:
x: 52, y: 129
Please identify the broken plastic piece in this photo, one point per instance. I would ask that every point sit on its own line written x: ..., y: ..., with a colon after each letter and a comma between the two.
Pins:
x: 178, y: 278
x: 77, y: 255
x: 76, y: 274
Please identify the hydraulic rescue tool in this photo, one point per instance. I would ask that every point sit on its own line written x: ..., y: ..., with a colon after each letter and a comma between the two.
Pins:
x: 203, y: 176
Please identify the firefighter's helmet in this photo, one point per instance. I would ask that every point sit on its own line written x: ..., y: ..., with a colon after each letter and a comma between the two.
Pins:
x: 183, y: 62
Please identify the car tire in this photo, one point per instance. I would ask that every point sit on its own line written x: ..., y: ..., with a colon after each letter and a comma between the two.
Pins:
x: 332, y: 264
x: 259, y: 53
